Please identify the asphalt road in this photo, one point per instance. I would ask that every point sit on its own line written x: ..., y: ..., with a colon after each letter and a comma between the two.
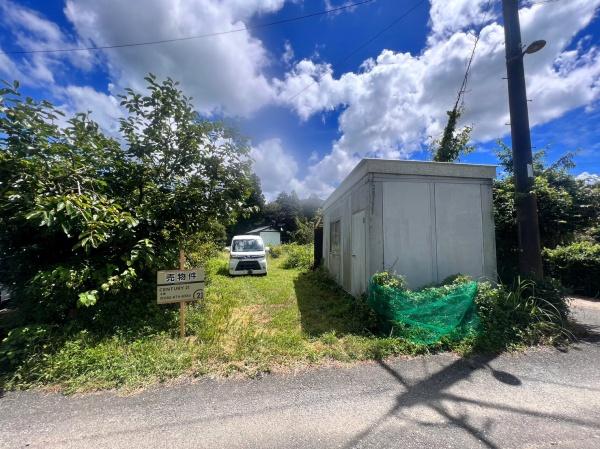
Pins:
x: 539, y: 399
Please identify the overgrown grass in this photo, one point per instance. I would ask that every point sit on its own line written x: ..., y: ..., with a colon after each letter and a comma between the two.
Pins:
x: 248, y: 325
x: 251, y: 325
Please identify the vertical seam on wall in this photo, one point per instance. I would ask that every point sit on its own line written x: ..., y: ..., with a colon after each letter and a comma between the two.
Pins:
x: 433, y: 212
x: 483, y: 231
x: 382, y: 227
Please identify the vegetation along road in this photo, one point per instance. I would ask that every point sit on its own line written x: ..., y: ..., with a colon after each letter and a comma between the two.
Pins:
x: 534, y: 399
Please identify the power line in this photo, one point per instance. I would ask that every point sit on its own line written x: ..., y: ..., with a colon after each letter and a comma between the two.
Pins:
x: 361, y: 46
x: 465, y: 80
x: 539, y: 2
x: 187, y: 38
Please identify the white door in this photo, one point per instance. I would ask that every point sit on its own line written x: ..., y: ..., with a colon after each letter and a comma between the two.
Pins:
x: 358, y: 254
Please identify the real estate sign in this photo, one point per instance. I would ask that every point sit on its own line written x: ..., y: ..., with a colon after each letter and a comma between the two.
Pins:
x: 179, y: 285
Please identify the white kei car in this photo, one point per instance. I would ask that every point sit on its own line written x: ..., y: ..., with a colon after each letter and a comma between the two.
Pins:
x: 247, y: 255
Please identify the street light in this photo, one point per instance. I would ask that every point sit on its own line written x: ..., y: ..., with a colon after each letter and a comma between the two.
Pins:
x: 535, y: 46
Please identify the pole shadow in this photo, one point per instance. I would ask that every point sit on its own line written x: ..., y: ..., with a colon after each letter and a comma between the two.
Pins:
x: 431, y: 392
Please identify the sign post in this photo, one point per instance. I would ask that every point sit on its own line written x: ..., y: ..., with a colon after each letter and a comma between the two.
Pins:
x: 182, y: 304
x: 180, y: 286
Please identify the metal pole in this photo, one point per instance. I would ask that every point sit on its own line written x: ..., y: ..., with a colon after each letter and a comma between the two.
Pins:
x: 530, y: 259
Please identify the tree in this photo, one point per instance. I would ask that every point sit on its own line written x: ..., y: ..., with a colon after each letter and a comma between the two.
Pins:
x: 187, y: 173
x: 84, y: 220
x: 283, y: 213
x: 453, y: 144
x: 252, y: 215
x: 568, y: 209
x: 293, y: 215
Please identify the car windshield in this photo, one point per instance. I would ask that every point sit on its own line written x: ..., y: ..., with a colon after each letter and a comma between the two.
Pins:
x: 245, y: 245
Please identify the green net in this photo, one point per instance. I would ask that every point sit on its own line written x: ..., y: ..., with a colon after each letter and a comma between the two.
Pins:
x: 427, y: 315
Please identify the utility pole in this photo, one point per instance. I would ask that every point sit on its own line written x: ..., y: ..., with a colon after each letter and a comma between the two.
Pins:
x: 530, y: 258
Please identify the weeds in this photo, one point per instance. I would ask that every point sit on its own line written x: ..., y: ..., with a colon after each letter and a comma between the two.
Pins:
x: 251, y: 325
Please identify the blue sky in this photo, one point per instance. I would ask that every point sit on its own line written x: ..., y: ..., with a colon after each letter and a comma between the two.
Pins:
x: 386, y: 100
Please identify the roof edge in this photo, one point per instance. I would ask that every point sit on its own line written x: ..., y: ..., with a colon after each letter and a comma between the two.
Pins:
x: 408, y: 167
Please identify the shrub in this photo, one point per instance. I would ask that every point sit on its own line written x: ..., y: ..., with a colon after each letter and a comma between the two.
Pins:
x: 276, y: 251
x: 523, y: 314
x: 20, y: 343
x: 577, y: 266
x: 87, y: 219
x: 387, y: 279
x: 299, y: 256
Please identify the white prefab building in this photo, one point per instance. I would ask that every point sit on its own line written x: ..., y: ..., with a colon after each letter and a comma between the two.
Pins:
x: 423, y: 220
x: 271, y: 236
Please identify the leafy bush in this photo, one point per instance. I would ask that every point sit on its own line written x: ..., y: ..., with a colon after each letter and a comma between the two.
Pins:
x: 20, y: 343
x: 387, y: 279
x: 299, y: 256
x: 87, y: 219
x: 457, y: 278
x: 524, y: 314
x: 568, y: 209
x: 276, y: 251
x: 305, y: 231
x: 577, y: 266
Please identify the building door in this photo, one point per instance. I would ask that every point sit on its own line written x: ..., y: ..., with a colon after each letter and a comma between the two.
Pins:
x: 358, y: 281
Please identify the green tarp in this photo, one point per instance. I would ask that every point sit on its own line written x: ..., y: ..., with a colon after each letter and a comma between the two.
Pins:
x: 428, y: 315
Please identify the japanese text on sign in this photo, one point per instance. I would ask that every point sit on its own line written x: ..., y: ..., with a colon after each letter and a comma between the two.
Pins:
x: 179, y: 285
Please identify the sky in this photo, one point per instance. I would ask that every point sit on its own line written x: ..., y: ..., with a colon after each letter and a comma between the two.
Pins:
x: 314, y: 96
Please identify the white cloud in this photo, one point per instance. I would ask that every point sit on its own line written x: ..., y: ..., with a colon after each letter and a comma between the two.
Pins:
x: 390, y: 106
x: 288, y: 53
x: 275, y: 167
x: 104, y: 108
x: 31, y: 31
x: 448, y: 17
x: 222, y: 73
x: 399, y: 100
x: 588, y: 178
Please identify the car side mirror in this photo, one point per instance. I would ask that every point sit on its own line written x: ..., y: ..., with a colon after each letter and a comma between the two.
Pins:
x: 267, y: 249
x: 228, y: 249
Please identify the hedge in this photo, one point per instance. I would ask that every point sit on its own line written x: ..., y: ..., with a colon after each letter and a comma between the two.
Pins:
x: 576, y: 265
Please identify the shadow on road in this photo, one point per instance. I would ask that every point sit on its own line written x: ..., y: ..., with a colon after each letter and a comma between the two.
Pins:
x: 432, y: 393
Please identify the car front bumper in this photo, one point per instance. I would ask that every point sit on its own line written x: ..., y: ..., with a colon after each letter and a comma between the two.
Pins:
x: 247, y: 266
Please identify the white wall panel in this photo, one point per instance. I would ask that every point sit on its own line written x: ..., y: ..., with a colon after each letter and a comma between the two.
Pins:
x: 459, y: 229
x: 407, y: 231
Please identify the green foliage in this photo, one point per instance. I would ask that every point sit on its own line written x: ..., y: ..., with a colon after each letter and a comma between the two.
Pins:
x: 508, y: 317
x: 391, y: 280
x: 568, y: 209
x: 276, y: 251
x: 245, y: 325
x: 453, y: 144
x: 428, y: 315
x: 456, y: 279
x: 85, y: 221
x: 522, y: 315
x: 294, y: 215
x: 576, y: 265
x: 305, y: 231
x: 20, y: 343
x: 299, y: 256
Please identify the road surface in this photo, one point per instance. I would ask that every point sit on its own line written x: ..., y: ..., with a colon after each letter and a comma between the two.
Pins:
x: 543, y: 398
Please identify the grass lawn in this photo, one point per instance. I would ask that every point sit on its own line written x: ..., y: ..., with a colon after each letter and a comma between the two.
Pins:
x: 247, y: 325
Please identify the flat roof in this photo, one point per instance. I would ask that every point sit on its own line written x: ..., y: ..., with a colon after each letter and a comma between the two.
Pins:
x: 408, y: 168
x: 268, y: 228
